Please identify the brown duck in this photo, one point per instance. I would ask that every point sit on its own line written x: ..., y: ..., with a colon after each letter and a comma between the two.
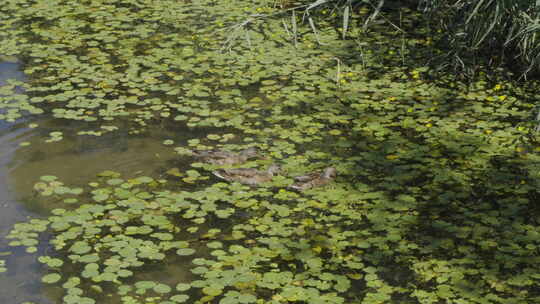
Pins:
x: 248, y: 176
x: 314, y: 179
x: 220, y: 157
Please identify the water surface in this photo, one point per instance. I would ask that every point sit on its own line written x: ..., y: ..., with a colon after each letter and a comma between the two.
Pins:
x: 75, y: 160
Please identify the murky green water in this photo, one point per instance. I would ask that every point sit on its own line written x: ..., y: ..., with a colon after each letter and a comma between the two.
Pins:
x: 76, y: 160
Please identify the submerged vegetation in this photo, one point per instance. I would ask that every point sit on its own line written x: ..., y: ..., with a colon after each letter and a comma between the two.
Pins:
x: 436, y: 194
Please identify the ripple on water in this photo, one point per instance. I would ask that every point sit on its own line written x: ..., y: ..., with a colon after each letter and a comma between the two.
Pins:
x: 22, y: 280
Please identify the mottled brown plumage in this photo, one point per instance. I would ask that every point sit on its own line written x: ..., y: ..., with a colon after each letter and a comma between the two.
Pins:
x: 248, y: 176
x: 314, y: 179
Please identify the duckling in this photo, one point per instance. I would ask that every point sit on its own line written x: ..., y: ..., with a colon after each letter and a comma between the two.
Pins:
x: 248, y: 176
x: 220, y: 157
x: 314, y: 179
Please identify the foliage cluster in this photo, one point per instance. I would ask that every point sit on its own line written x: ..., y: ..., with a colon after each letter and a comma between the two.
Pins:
x: 489, y: 32
x: 472, y: 34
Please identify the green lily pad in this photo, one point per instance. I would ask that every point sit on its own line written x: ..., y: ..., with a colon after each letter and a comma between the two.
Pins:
x: 185, y: 251
x: 182, y: 287
x: 51, y: 278
x: 48, y: 178
x: 181, y: 298
x: 162, y: 288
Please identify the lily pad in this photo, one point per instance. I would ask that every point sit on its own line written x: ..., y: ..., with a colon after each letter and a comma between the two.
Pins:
x: 51, y: 278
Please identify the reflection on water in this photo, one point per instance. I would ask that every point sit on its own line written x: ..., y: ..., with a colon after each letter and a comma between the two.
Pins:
x: 21, y: 282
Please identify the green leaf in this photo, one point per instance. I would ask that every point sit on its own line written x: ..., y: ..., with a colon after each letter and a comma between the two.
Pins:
x: 48, y: 178
x: 185, y: 251
x: 162, y: 288
x: 179, y: 298
x: 51, y: 278
x: 212, y: 290
x: 182, y: 286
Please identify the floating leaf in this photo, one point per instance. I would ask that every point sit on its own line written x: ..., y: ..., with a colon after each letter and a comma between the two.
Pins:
x: 182, y: 287
x: 162, y: 288
x: 179, y: 298
x: 48, y: 178
x: 51, y: 278
x: 185, y: 251
x: 212, y: 290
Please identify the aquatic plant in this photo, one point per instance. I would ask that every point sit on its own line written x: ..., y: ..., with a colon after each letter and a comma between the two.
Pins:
x: 3, y: 266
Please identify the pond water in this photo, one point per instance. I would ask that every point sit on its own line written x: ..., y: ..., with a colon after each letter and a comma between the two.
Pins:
x: 75, y: 160
x: 20, y: 282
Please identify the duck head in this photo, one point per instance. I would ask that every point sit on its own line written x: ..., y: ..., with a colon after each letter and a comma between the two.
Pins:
x: 329, y: 173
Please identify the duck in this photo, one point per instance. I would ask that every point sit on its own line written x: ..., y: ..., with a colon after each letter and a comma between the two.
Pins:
x: 221, y: 157
x: 248, y: 176
x: 314, y: 179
